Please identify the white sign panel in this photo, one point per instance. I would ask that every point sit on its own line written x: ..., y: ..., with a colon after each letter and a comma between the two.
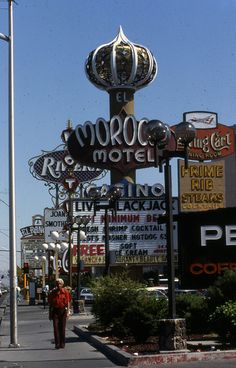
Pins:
x: 54, y: 220
x: 201, y: 119
x: 134, y: 233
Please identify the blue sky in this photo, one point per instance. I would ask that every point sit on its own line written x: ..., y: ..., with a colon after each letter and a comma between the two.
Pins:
x: 194, y: 43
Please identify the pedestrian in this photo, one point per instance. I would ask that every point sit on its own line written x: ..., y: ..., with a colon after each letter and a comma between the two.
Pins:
x: 59, y: 306
x: 44, y: 297
x: 18, y: 297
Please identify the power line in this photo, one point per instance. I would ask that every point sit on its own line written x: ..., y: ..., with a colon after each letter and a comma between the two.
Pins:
x: 1, y: 200
x: 7, y: 250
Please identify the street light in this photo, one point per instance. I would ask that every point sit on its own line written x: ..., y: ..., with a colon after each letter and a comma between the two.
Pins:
x: 44, y: 259
x: 81, y: 235
x: 43, y: 264
x: 50, y: 259
x: 107, y: 202
x: 67, y: 230
x: 160, y: 135
x: 45, y: 247
x: 168, y: 144
x: 55, y: 247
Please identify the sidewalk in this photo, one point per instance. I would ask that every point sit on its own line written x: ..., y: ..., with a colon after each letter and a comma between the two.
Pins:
x: 35, y: 336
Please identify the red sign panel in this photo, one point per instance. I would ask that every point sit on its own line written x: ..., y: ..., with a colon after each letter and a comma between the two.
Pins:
x: 214, y: 143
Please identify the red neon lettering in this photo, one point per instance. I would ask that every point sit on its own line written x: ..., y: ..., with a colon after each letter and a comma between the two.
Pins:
x: 210, y: 268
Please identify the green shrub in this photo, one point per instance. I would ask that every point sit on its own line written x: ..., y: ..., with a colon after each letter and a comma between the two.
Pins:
x: 113, y: 294
x: 142, y: 318
x: 224, y: 322
x: 139, y: 322
x: 194, y: 309
x: 224, y: 289
x: 122, y: 306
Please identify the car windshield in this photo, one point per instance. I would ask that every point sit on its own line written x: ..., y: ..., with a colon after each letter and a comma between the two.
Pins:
x: 86, y: 291
x: 188, y: 291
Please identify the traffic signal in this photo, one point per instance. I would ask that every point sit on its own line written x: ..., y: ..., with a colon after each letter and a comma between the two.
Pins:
x: 26, y: 267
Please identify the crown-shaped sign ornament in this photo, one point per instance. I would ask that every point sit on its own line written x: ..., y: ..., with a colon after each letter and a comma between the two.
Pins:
x: 121, y: 64
x: 120, y: 68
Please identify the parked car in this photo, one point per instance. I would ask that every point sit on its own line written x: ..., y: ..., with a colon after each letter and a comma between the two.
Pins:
x: 86, y: 295
x: 155, y: 292
x: 164, y: 289
x: 158, y: 294
x: 188, y: 292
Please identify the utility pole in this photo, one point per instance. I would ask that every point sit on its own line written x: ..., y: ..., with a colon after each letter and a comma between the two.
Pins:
x: 12, y: 215
x: 12, y: 211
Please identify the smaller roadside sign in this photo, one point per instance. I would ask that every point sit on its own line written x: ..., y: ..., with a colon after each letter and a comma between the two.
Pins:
x: 32, y: 230
x: 54, y: 220
x: 201, y: 186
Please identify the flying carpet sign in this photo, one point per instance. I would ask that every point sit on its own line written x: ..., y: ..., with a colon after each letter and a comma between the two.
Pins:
x: 213, y: 140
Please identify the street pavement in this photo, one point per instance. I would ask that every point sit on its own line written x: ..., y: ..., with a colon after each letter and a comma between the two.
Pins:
x: 35, y: 336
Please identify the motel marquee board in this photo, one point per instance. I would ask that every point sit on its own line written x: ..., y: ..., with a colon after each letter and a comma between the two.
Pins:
x: 134, y: 233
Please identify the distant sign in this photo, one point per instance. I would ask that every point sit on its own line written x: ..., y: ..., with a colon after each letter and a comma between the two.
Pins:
x: 32, y: 230
x: 36, y: 229
x: 201, y: 186
x: 37, y: 220
x: 54, y: 220
x: 59, y: 167
x: 202, y: 119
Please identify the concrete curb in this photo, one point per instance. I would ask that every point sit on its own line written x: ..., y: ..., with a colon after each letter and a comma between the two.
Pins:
x: 113, y: 352
x: 123, y: 358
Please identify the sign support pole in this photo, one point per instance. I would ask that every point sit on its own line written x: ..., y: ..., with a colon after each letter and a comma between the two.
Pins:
x: 70, y: 218
x: 121, y: 103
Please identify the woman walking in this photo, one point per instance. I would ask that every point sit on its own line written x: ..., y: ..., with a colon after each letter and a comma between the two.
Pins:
x: 59, y: 306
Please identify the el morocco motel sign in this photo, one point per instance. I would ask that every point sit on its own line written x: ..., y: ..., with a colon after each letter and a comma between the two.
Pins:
x: 117, y: 144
